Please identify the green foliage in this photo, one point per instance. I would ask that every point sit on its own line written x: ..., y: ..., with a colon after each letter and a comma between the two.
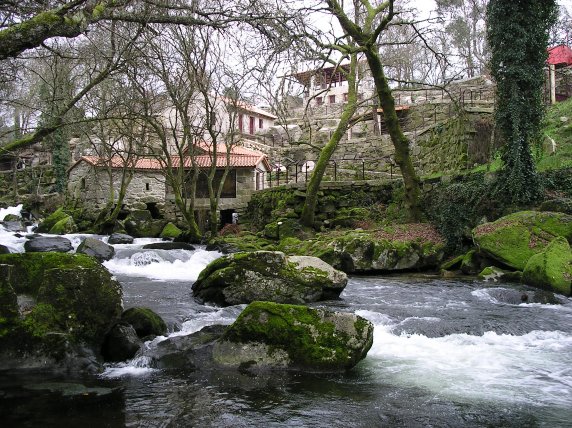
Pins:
x: 455, y: 208
x: 517, y: 33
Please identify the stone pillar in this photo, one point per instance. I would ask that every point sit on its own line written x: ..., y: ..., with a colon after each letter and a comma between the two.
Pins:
x: 552, y: 83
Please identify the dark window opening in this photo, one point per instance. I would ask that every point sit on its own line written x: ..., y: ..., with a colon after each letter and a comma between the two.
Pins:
x: 228, y: 189
x: 260, y: 123
x: 123, y: 213
x: 251, y: 124
x: 147, y: 186
x: 226, y: 217
x: 82, y: 184
x: 332, y: 99
x: 152, y: 208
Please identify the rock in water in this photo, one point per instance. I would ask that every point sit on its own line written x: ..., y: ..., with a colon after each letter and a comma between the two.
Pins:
x: 121, y: 343
x: 145, y: 322
x: 551, y: 269
x: 120, y: 238
x: 514, y: 239
x: 95, y: 248
x: 44, y: 244
x: 72, y: 301
x: 268, y: 275
x: 169, y: 246
x: 275, y: 336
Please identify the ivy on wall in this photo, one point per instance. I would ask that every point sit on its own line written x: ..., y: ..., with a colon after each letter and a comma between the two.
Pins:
x: 517, y: 33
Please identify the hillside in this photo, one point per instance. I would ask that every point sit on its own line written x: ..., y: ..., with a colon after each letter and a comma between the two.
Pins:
x: 558, y: 127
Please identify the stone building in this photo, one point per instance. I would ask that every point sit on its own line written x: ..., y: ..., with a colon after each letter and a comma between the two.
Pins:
x: 95, y: 181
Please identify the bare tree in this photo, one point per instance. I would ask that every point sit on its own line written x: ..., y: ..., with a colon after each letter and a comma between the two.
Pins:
x: 365, y: 32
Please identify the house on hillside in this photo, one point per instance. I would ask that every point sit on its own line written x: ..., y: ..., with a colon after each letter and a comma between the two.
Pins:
x: 91, y: 180
x: 329, y: 85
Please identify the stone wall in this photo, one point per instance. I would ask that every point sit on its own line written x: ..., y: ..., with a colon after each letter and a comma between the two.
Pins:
x: 92, y: 186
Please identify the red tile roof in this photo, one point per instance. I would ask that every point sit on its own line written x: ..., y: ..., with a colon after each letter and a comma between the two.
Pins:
x: 560, y: 55
x: 240, y: 157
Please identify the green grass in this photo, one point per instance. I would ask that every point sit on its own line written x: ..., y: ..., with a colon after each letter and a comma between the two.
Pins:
x: 561, y: 133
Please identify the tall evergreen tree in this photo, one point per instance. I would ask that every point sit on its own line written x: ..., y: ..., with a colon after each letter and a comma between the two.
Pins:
x: 517, y: 33
x: 55, y: 92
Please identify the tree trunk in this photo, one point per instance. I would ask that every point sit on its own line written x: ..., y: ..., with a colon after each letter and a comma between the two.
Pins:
x: 400, y: 142
x: 309, y: 208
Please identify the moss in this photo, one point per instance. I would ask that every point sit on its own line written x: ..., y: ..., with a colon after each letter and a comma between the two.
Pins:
x: 145, y: 322
x: 75, y: 295
x: 64, y: 226
x: 170, y: 231
x: 515, y: 238
x: 43, y: 319
x: 552, y: 268
x: 49, y: 222
x: 310, y: 339
x: 28, y: 269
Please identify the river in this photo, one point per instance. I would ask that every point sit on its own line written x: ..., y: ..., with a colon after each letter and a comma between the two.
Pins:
x: 446, y: 353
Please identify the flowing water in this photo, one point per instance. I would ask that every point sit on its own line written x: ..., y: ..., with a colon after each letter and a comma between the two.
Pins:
x: 446, y: 353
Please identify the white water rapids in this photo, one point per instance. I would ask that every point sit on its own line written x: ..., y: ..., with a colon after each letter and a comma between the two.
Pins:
x: 451, y: 340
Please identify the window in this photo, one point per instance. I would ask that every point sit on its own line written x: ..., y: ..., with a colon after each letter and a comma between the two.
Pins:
x: 228, y: 189
x: 251, y: 123
x: 319, y: 101
x: 147, y: 186
x: 240, y: 125
x: 260, y: 123
x: 346, y: 97
x: 332, y: 99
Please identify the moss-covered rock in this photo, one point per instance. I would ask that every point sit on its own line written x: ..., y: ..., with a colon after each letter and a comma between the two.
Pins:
x: 552, y: 268
x: 282, y: 228
x: 267, y: 275
x: 144, y: 321
x: 50, y: 221
x: 401, y: 247
x: 141, y: 224
x: 170, y: 231
x: 71, y: 300
x: 514, y: 239
x: 64, y: 226
x: 493, y: 273
x: 277, y: 336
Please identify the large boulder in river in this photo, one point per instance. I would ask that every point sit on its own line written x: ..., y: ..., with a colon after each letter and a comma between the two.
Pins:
x: 268, y: 275
x: 96, y: 248
x: 274, y: 336
x: 552, y: 268
x: 53, y: 306
x: 512, y: 240
x: 46, y: 244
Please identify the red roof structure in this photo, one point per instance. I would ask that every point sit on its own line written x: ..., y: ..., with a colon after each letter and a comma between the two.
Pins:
x: 240, y: 157
x: 560, y: 56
